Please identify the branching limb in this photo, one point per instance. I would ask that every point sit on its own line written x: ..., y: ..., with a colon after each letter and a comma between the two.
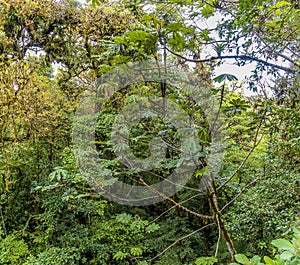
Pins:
x: 202, y: 216
x: 180, y: 239
x: 256, y: 143
x: 242, y: 57
x: 239, y: 194
x: 174, y: 206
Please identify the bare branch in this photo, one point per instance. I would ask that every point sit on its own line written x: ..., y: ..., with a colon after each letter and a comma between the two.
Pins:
x: 174, y: 206
x: 239, y: 194
x: 242, y: 57
x: 180, y: 239
x: 202, y: 216
x: 219, y: 237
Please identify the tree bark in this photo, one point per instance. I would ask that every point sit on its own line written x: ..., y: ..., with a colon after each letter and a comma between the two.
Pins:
x: 217, y: 216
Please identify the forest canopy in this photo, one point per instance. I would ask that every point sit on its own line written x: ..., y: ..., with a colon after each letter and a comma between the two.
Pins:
x: 102, y: 94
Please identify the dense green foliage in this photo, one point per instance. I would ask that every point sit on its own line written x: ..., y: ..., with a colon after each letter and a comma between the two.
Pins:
x: 51, y: 51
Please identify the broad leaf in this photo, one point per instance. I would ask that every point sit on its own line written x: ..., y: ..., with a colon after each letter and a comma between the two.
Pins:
x: 282, y: 244
x: 242, y: 259
x: 223, y: 77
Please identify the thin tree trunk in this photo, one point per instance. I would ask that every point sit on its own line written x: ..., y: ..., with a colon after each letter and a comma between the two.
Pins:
x: 217, y: 216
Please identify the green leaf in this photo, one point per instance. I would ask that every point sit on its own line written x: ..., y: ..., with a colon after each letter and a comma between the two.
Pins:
x: 95, y: 2
x: 280, y: 4
x: 255, y: 260
x: 172, y: 163
x: 282, y: 244
x: 242, y: 259
x: 142, y: 263
x: 151, y: 228
x: 223, y: 77
x: 177, y: 42
x: 268, y: 261
x: 207, y: 11
x: 204, y: 34
x: 206, y: 260
x: 124, y: 218
x: 200, y: 172
x: 136, y: 251
x: 287, y: 255
x: 296, y: 231
x: 120, y: 255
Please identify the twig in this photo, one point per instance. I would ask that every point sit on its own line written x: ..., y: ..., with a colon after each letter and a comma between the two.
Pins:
x: 174, y: 206
x: 241, y: 165
x: 180, y: 239
x: 256, y: 143
x: 2, y: 217
x: 239, y: 194
x: 207, y: 217
x: 219, y: 237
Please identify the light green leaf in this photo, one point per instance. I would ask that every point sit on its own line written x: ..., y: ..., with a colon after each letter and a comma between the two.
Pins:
x: 287, y: 255
x: 124, y: 218
x: 207, y: 11
x: 136, y: 251
x: 268, y: 261
x: 206, y: 260
x: 151, y: 228
x: 255, y: 260
x: 282, y: 244
x: 120, y: 255
x: 280, y: 4
x: 242, y: 259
